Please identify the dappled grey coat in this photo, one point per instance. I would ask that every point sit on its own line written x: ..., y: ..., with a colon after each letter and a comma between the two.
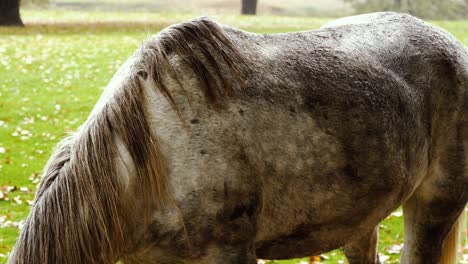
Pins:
x: 215, y: 145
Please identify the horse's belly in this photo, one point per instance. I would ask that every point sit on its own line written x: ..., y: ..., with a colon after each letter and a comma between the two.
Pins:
x: 319, y: 200
x: 330, y: 226
x: 299, y: 245
x: 323, y: 213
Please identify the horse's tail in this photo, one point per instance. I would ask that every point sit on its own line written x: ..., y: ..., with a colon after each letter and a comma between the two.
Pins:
x: 453, y: 241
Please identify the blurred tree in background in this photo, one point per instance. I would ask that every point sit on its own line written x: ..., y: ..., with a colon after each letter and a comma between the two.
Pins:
x: 432, y: 9
x: 249, y: 7
x: 10, y: 10
x: 9, y: 13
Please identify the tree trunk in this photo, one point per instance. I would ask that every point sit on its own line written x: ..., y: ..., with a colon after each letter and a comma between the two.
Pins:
x: 249, y: 7
x: 9, y: 13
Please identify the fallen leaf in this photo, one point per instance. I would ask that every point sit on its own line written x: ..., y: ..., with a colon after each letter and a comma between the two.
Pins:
x: 397, y: 214
x: 395, y: 249
x: 17, y: 200
x: 383, y: 258
x: 314, y: 259
x: 10, y: 188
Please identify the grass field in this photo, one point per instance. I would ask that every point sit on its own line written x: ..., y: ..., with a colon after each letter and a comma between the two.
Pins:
x: 52, y: 73
x: 270, y: 7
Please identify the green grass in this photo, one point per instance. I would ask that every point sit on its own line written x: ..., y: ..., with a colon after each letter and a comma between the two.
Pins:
x: 53, y: 71
x: 271, y: 7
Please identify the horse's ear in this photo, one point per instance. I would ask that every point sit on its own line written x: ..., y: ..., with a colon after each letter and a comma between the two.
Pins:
x: 143, y: 74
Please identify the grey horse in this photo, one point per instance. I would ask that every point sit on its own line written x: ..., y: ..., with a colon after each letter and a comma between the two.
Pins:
x: 215, y: 145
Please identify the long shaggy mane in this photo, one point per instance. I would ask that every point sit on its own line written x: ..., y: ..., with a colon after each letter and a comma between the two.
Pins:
x: 78, y: 215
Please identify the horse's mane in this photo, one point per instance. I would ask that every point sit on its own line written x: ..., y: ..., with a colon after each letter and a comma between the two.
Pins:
x: 77, y: 216
x: 203, y: 46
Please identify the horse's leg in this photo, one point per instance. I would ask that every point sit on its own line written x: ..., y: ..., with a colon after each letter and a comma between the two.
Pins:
x: 363, y: 250
x: 433, y: 209
x: 427, y: 225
